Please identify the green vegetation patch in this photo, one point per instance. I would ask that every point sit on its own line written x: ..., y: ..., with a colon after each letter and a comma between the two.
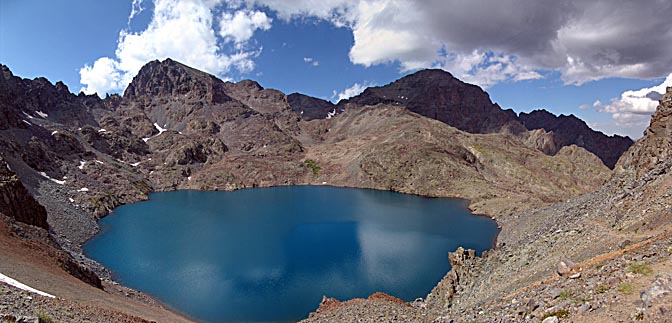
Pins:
x: 564, y: 295
x: 602, y: 289
x: 642, y: 269
x: 313, y: 166
x: 44, y: 317
x: 626, y: 288
x: 559, y: 313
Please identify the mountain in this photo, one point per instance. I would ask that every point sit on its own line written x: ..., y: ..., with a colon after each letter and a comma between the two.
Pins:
x: 175, y: 127
x: 310, y: 108
x: 438, y: 95
x: 570, y: 130
x: 602, y: 256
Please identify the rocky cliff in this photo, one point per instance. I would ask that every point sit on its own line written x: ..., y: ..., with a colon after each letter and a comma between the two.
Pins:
x: 16, y: 202
x: 570, y: 130
x: 656, y: 145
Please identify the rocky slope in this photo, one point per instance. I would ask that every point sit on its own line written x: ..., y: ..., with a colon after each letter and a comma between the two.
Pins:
x: 436, y: 94
x: 179, y: 128
x: 605, y: 256
x: 570, y: 130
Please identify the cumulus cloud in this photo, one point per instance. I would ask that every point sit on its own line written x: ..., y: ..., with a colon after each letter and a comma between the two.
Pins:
x: 184, y: 31
x: 311, y: 61
x: 354, y: 90
x: 241, y: 25
x: 487, y: 69
x: 512, y: 40
x: 634, y: 108
x: 583, y: 40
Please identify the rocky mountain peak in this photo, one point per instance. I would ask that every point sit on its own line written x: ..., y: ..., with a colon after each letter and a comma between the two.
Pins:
x: 171, y: 78
x: 438, y: 95
x: 309, y: 108
x: 570, y: 130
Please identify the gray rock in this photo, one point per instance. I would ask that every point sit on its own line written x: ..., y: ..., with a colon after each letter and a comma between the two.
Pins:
x: 565, y: 267
x: 551, y: 319
x: 27, y: 319
x: 585, y: 307
x: 661, y: 286
x: 555, y: 293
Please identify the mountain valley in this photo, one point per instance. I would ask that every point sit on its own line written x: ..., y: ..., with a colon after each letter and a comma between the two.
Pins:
x: 559, y: 190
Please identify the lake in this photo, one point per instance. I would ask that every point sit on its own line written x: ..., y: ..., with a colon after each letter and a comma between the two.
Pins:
x: 269, y: 254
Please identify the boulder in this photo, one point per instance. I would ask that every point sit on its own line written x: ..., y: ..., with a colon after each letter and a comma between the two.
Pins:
x: 565, y: 267
x: 551, y: 319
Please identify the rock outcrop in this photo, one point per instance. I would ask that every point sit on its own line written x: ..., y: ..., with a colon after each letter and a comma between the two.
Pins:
x: 656, y: 145
x: 570, y: 130
x: 310, y: 108
x: 16, y: 202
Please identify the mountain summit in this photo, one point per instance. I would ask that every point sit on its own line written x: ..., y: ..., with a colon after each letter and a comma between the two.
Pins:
x: 436, y: 94
x: 171, y: 78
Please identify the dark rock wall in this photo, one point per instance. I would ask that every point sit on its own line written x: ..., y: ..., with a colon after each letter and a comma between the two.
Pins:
x: 16, y: 202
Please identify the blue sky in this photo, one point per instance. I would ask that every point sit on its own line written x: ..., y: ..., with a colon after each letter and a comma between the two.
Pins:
x: 599, y: 61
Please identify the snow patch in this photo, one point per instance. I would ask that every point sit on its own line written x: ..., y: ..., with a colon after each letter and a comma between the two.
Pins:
x: 81, y: 164
x: 52, y: 179
x: 30, y: 124
x: 136, y: 164
x: 54, y: 132
x: 99, y: 162
x: 13, y: 282
x: 146, y: 139
x: 331, y: 114
x: 102, y: 130
x: 159, y: 128
x: 42, y: 114
x: 189, y: 178
x: 27, y: 115
x: 83, y: 189
x: 71, y: 200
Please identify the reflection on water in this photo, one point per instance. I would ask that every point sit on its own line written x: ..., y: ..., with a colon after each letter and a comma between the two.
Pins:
x: 270, y: 254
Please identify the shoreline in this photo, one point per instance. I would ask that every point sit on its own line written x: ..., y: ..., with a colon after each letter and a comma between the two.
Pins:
x: 467, y: 204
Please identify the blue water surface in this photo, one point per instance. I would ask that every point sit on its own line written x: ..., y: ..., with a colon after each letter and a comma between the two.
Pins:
x: 269, y: 254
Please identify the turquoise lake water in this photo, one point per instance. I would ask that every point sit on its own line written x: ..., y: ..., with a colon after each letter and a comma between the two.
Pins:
x: 269, y: 254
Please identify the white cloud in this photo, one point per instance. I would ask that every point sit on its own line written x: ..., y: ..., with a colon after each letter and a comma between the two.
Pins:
x: 103, y: 76
x: 597, y: 103
x: 181, y: 30
x: 354, y: 90
x: 583, y: 40
x: 311, y: 61
x: 136, y: 9
x: 634, y: 108
x: 241, y: 25
x: 487, y: 69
